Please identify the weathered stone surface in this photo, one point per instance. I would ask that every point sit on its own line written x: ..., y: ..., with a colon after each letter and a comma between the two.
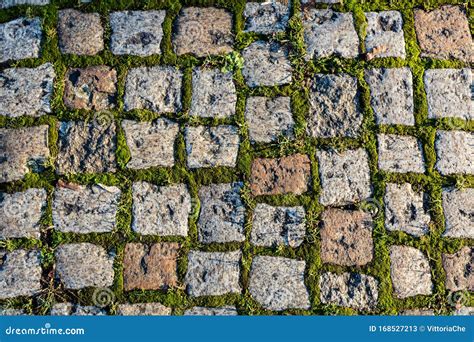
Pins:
x: 211, y: 146
x: 222, y: 215
x: 410, y: 272
x: 283, y: 175
x: 70, y: 309
x: 345, y: 177
x: 334, y: 107
x: 155, y: 88
x: 137, y: 33
x: 91, y: 88
x: 213, y: 273
x: 278, y: 283
x: 266, y: 64
x: 143, y: 309
x: 26, y: 91
x: 20, y: 39
x: 20, y: 273
x: 328, y: 33
x: 203, y: 31
x: 85, y: 209
x: 346, y: 237
x: 151, y: 144
x: 268, y: 17
x: 400, y: 153
x: 385, y: 34
x: 269, y: 118
x: 80, y: 265
x: 391, y: 93
x: 444, y: 33
x: 353, y: 290
x: 406, y: 210
x: 12, y: 3
x: 204, y: 311
x: 464, y: 311
x: 21, y: 213
x: 459, y: 268
x: 160, y: 210
x: 214, y: 94
x: 80, y: 33
x: 449, y: 93
x: 151, y: 267
x: 278, y: 226
x: 458, y: 207
x: 22, y: 150
x: 455, y: 152
x: 11, y: 312
x: 86, y: 147
x: 417, y: 312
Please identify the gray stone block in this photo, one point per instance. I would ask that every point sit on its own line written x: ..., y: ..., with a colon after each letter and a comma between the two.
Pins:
x: 459, y: 269
x: 21, y: 213
x: 143, y: 309
x: 70, y: 309
x: 268, y: 17
x: 458, y: 207
x: 278, y: 283
x: 20, y: 39
x: 205, y: 311
x: 213, y: 273
x: 278, y: 226
x: 162, y: 210
x: 137, y: 33
x: 222, y: 215
x: 80, y: 33
x: 12, y: 3
x: 385, y: 34
x: 85, y: 209
x: 400, y: 153
x: 455, y: 152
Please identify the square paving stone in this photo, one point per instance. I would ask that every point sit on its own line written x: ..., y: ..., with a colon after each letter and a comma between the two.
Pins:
x: 346, y: 237
x: 266, y: 64
x: 212, y: 146
x: 80, y: 33
x: 22, y: 150
x: 277, y: 176
x: 86, y: 147
x: 328, y: 33
x: 155, y: 88
x: 214, y: 94
x: 20, y: 39
x: 278, y: 283
x: 160, y: 210
x: 276, y: 226
x: 81, y: 265
x: 143, y: 309
x: 21, y: 213
x: 458, y: 207
x: 443, y: 33
x: 385, y: 34
x: 334, y: 107
x: 91, y: 88
x: 406, y: 210
x: 268, y: 118
x: 455, y: 152
x: 459, y: 268
x: 268, y: 17
x: 400, y: 153
x: 20, y: 273
x: 26, y: 91
x: 151, y: 144
x: 137, y: 33
x: 345, y: 177
x: 213, y: 273
x: 352, y: 290
x: 417, y: 312
x: 71, y: 309
x: 203, y: 31
x: 151, y: 267
x: 449, y: 93
x: 204, y: 311
x: 85, y: 209
x: 222, y: 215
x: 410, y: 272
x: 12, y: 3
x: 391, y: 97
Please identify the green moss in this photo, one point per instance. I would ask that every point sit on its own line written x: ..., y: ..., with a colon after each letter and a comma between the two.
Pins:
x: 431, y: 182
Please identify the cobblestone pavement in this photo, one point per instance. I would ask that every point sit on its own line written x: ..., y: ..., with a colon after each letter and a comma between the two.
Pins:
x: 236, y: 158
